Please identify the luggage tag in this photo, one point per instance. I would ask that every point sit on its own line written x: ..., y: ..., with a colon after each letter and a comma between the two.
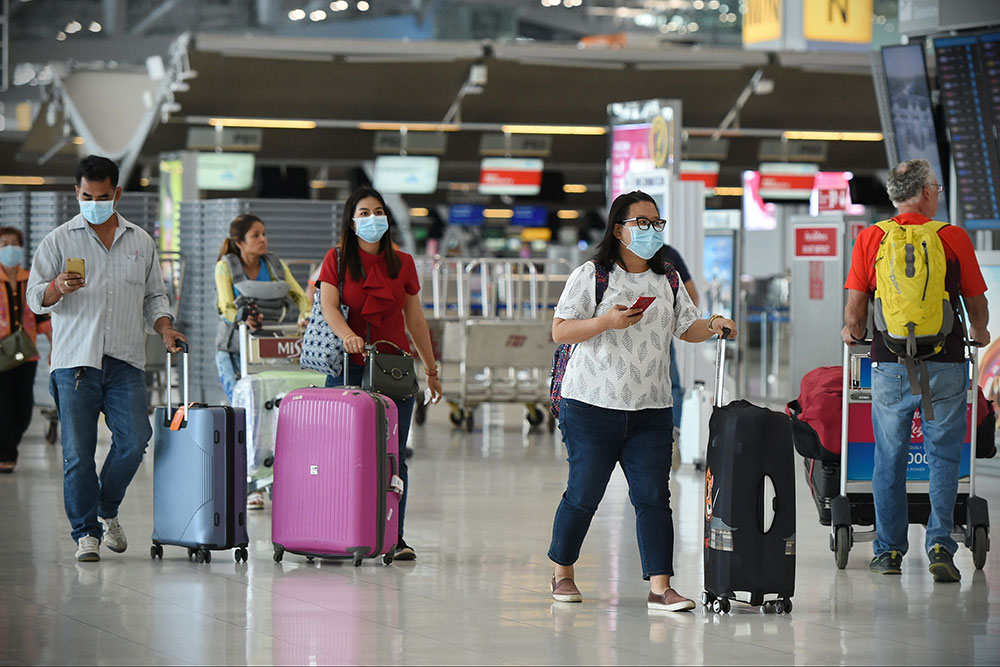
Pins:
x: 178, y: 421
x: 396, y: 484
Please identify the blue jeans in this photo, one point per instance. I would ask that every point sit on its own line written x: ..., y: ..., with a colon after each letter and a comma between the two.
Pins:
x: 596, y: 439
x: 893, y: 406
x: 676, y: 389
x: 405, y: 408
x: 228, y: 364
x: 81, y: 394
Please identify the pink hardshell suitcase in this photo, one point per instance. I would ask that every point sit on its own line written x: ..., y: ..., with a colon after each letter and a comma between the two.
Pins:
x: 336, y: 482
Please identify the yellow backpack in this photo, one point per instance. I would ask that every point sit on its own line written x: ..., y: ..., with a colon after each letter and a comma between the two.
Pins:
x: 913, y: 311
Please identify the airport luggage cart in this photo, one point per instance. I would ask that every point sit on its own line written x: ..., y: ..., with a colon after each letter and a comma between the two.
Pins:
x: 270, y: 356
x: 853, y: 511
x: 491, y: 333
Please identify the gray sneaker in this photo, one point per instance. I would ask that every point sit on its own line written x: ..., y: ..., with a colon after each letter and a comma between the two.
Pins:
x: 88, y: 549
x: 942, y: 566
x: 887, y: 562
x: 114, y: 535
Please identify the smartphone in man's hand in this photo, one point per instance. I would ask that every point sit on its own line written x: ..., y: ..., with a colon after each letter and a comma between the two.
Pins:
x: 76, y: 265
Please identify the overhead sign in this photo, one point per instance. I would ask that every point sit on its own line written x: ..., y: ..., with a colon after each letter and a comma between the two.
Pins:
x: 782, y: 180
x: 831, y: 192
x: 530, y: 216
x: 762, y: 21
x: 515, y: 145
x: 421, y: 143
x: 842, y: 21
x: 510, y: 176
x: 225, y: 171
x: 406, y: 174
x: 706, y: 171
x: 465, y: 214
x: 817, y: 241
x: 794, y: 150
x: 225, y: 138
x: 722, y: 219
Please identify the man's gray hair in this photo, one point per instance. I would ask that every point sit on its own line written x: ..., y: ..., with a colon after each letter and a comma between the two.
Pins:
x: 907, y: 180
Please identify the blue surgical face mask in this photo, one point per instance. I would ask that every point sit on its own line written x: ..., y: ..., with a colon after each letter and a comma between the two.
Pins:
x: 645, y: 242
x: 96, y: 212
x: 372, y: 228
x: 11, y: 255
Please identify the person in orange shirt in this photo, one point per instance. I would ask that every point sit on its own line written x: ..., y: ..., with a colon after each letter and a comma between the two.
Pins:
x: 913, y: 189
x: 17, y: 383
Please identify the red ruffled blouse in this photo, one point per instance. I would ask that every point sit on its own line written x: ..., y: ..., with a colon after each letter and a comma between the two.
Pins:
x: 378, y: 300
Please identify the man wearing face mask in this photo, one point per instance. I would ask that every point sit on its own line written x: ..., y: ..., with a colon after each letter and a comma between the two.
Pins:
x: 17, y: 323
x: 98, y: 349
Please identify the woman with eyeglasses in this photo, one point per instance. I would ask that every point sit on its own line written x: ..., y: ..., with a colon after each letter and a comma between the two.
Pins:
x: 616, y: 394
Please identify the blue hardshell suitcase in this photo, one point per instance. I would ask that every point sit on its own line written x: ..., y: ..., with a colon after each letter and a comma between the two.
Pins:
x: 199, y: 478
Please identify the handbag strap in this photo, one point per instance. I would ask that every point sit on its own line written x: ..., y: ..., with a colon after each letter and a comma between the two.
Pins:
x: 374, y: 347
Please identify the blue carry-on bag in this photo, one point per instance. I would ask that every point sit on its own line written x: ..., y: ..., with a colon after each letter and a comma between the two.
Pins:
x: 199, y: 476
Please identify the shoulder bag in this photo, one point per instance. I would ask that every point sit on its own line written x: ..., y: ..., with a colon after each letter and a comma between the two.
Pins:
x: 323, y: 350
x: 16, y: 349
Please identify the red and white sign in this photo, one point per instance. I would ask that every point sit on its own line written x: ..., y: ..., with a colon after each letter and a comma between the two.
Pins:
x: 784, y: 180
x: 510, y: 176
x: 705, y: 171
x: 817, y: 241
x: 832, y: 192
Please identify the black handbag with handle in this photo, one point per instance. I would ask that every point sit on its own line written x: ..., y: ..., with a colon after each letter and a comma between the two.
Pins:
x: 17, y: 349
x: 389, y: 373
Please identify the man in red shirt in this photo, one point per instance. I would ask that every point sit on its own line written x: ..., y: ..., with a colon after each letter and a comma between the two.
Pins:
x: 914, y: 190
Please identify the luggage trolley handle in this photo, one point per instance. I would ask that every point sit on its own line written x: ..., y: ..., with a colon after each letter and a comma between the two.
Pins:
x: 185, y: 389
x: 720, y: 366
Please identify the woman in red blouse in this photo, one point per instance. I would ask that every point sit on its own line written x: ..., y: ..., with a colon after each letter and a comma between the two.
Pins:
x: 380, y: 288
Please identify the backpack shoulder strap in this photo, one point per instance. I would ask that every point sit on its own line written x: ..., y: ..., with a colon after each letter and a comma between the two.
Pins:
x: 601, y: 277
x: 936, y: 225
x: 236, y: 270
x: 672, y: 277
x: 887, y: 225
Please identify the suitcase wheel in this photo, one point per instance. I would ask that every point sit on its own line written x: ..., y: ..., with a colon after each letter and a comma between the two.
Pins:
x: 357, y: 560
x: 278, y: 554
x: 202, y: 555
x: 156, y: 551
x: 240, y: 554
x: 309, y: 559
x: 721, y: 606
x: 387, y: 559
x: 707, y: 598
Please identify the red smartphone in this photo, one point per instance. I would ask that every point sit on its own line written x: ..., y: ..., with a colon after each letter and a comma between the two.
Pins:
x: 643, y: 302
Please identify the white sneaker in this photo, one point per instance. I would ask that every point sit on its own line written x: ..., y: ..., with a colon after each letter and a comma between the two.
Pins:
x: 88, y: 549
x: 114, y: 535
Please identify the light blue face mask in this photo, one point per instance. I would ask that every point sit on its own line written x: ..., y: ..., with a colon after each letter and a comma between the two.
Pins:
x: 11, y: 255
x: 96, y: 212
x: 372, y: 228
x: 645, y: 242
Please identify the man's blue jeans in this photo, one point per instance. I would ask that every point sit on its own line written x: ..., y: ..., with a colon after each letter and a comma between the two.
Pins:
x: 597, y: 439
x: 355, y: 374
x: 81, y: 394
x: 893, y: 406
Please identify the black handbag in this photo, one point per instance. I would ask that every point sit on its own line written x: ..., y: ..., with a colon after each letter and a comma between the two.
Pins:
x: 16, y: 349
x: 389, y: 373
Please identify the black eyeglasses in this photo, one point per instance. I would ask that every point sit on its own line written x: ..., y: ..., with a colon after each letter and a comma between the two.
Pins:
x: 644, y: 223
x: 937, y: 186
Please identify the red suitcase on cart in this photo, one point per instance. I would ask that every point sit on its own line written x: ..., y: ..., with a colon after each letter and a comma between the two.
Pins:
x: 336, y: 482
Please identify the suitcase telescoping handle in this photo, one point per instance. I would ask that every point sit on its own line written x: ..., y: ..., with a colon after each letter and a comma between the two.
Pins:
x: 720, y: 366
x: 184, y: 380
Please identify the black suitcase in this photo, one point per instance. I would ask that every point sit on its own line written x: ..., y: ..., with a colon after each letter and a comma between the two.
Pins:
x: 749, y: 505
x: 823, y: 479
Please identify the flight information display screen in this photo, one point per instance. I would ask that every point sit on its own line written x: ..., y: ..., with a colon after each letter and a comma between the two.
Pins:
x: 911, y: 110
x: 966, y: 76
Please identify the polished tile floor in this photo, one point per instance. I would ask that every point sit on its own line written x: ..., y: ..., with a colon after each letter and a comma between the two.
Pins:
x: 480, y: 513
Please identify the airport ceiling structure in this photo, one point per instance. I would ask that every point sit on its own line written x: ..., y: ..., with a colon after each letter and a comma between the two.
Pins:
x: 475, y: 69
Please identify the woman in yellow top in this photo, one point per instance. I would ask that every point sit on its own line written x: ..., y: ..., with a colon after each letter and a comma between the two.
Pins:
x: 244, y: 256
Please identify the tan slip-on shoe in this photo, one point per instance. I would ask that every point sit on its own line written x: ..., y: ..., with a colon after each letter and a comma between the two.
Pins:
x: 565, y: 591
x: 669, y: 600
